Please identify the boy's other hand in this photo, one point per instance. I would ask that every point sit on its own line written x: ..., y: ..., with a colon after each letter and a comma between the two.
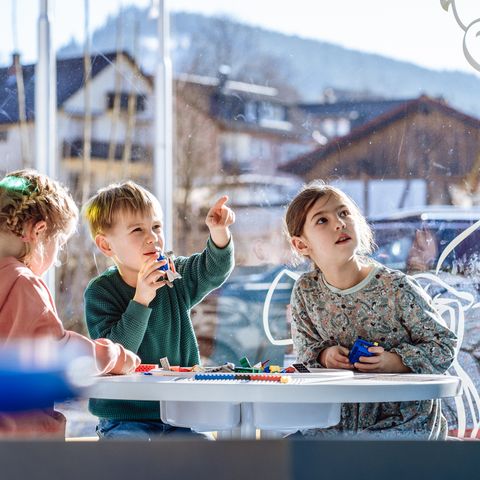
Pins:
x: 149, y: 280
x: 219, y: 218
x: 335, y: 357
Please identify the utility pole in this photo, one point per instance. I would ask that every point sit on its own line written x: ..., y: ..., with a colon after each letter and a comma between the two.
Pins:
x: 162, y: 166
x: 46, y: 106
x: 45, y: 96
x: 87, y: 122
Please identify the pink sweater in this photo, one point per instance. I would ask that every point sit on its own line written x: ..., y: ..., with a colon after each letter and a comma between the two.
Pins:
x: 27, y: 311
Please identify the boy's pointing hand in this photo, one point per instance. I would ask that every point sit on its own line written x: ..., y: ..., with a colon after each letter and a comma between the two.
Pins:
x: 219, y: 218
x: 220, y: 215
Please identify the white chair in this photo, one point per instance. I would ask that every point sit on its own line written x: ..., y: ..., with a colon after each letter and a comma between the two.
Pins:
x: 452, y: 304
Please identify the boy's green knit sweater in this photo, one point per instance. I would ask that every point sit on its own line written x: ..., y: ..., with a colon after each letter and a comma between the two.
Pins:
x: 163, y: 329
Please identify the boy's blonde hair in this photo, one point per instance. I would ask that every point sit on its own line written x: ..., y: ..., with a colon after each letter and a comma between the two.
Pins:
x: 28, y: 196
x: 102, y: 210
x: 299, y: 207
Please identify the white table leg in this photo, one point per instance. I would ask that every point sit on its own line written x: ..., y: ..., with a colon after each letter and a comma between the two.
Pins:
x: 266, y: 434
x: 225, y: 434
x: 247, y: 428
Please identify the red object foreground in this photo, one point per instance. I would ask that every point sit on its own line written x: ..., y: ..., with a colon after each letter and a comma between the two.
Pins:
x: 146, y: 367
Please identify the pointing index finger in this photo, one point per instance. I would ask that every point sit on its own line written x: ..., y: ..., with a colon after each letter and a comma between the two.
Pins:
x: 221, y: 202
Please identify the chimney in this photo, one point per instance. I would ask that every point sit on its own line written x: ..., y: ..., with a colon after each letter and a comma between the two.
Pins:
x: 15, y: 59
x: 223, y: 74
x: 12, y: 69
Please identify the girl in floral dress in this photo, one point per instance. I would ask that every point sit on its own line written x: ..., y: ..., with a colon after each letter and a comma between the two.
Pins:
x: 347, y: 295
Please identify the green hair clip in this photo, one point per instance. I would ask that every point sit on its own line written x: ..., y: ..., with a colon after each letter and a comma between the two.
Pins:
x: 17, y: 184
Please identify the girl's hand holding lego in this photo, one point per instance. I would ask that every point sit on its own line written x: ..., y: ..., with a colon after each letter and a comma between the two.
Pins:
x: 381, y: 362
x: 219, y: 218
x: 335, y: 357
x: 149, y: 280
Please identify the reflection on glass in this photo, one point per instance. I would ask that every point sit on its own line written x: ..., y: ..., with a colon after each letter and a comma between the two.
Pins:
x: 257, y: 113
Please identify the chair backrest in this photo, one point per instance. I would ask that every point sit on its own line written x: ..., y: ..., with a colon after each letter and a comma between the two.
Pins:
x: 266, y: 307
x: 453, y: 305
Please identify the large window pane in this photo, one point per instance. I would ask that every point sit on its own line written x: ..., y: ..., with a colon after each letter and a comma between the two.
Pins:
x: 267, y: 96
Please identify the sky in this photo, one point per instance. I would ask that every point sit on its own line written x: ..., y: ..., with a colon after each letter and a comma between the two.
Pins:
x: 418, y: 31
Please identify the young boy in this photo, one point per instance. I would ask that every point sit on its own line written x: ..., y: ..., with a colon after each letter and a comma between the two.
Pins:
x: 130, y: 302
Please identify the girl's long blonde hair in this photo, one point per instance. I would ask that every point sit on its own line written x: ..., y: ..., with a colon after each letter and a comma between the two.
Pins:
x: 27, y: 197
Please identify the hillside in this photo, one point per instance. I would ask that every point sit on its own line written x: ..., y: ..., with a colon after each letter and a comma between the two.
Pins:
x: 309, y: 65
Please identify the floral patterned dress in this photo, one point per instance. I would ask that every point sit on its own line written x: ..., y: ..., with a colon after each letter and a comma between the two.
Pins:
x: 388, y: 307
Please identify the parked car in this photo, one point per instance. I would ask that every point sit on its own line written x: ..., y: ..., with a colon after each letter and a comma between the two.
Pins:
x: 413, y: 241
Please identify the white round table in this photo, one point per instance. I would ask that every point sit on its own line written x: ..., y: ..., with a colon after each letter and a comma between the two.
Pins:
x: 308, y: 401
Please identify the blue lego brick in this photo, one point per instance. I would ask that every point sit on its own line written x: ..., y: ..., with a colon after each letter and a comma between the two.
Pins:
x: 360, y: 349
x: 163, y: 267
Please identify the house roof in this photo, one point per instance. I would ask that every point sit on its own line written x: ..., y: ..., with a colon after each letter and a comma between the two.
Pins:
x: 361, y: 111
x: 230, y: 85
x: 70, y: 79
x: 222, y: 102
x: 303, y: 164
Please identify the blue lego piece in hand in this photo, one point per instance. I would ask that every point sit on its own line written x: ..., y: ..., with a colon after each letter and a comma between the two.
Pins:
x: 168, y: 268
x: 163, y: 267
x: 360, y: 349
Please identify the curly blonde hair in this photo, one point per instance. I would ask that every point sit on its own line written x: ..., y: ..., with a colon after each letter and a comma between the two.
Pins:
x: 27, y: 196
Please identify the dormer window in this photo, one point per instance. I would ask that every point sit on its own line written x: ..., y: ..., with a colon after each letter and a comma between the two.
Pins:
x: 251, y: 112
x: 140, y: 104
x: 271, y: 111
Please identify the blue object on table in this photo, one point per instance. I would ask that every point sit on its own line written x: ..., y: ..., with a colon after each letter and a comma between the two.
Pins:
x: 22, y: 391
x: 35, y: 374
x: 360, y: 349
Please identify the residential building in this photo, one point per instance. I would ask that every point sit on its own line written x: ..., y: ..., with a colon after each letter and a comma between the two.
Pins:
x: 419, y: 152
x: 120, y: 134
x: 222, y: 127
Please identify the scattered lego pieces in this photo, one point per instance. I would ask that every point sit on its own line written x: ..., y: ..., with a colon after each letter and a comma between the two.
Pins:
x: 300, y: 368
x: 146, y: 367
x: 248, y: 370
x: 225, y: 368
x: 165, y: 363
x: 259, y: 371
x: 245, y: 363
x: 176, y: 368
x: 275, y: 369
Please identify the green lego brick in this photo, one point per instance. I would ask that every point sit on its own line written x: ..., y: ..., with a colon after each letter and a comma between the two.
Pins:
x: 245, y: 363
x: 248, y: 370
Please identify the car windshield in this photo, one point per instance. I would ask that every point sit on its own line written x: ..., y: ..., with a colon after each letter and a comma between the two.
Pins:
x: 416, y: 246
